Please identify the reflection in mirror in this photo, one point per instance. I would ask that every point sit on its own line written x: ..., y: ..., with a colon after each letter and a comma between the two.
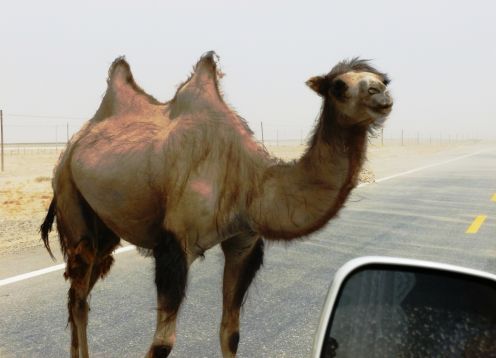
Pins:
x: 396, y: 311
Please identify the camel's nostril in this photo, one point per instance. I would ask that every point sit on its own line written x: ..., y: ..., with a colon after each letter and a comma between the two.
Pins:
x: 383, y: 101
x: 387, y: 103
x: 382, y: 105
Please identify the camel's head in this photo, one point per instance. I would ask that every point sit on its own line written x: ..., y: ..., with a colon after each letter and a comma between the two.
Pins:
x: 356, y: 90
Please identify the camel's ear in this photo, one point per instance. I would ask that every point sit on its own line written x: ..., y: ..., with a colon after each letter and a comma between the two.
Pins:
x: 318, y: 84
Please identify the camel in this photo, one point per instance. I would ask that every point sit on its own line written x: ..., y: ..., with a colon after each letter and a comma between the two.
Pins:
x: 180, y: 177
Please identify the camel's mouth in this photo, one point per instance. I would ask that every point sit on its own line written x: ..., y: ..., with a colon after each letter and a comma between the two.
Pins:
x: 383, y: 109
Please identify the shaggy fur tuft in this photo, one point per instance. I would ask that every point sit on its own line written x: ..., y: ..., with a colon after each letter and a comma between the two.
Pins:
x: 46, y: 226
x: 170, y: 272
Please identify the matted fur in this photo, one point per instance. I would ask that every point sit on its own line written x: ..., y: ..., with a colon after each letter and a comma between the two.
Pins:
x: 170, y: 272
x: 46, y: 226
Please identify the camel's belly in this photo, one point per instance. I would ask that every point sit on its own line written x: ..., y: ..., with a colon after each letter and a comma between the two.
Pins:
x: 137, y: 213
x: 133, y: 216
x: 122, y: 196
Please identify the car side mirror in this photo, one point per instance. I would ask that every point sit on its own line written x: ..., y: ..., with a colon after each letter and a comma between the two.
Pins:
x: 392, y: 307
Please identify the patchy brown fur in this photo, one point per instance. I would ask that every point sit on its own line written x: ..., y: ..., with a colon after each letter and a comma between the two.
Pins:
x: 142, y: 170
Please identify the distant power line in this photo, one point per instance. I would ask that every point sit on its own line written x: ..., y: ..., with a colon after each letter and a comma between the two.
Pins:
x: 43, y: 125
x: 42, y: 116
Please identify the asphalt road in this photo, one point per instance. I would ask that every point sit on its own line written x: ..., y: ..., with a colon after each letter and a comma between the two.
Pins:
x: 423, y: 214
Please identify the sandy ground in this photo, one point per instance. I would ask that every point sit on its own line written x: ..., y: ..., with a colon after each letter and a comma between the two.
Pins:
x: 25, y: 186
x: 25, y: 193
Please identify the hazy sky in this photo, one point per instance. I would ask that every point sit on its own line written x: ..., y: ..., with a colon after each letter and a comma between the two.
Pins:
x: 441, y: 55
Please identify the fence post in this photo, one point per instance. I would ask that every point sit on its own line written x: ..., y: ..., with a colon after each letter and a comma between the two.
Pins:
x: 382, y: 136
x: 402, y: 137
x: 1, y: 130
x: 261, y: 126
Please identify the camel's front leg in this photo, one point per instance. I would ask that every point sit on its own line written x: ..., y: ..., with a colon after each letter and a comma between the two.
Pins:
x: 171, y: 269
x: 244, y: 256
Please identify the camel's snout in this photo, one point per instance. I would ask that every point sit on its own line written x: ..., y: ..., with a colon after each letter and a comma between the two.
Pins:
x: 381, y: 103
x: 382, y: 100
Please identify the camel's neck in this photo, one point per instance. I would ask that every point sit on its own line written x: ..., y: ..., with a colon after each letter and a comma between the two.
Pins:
x: 297, y: 199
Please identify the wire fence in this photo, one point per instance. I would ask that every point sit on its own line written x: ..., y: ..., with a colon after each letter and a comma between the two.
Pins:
x: 19, y: 149
x: 274, y: 135
x: 25, y: 134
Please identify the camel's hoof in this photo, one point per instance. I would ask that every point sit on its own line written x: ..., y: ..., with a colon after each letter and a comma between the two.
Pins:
x: 162, y: 351
x: 233, y: 342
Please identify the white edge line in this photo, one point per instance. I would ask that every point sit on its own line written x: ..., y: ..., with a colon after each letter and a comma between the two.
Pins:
x: 424, y: 167
x: 28, y: 275
x: 25, y: 276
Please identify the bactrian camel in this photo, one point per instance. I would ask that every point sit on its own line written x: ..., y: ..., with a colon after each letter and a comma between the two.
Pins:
x: 180, y: 177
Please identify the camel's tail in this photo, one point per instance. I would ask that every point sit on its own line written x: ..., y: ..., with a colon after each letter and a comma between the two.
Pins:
x: 46, y: 227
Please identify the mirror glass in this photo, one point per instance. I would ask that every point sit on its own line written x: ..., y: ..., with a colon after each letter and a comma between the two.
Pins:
x: 397, y: 311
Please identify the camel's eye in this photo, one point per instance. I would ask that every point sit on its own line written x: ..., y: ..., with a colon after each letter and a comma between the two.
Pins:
x: 338, y: 89
x: 373, y: 90
x: 386, y: 82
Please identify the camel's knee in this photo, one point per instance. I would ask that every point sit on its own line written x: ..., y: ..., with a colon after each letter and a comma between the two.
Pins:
x: 79, y: 261
x: 171, y: 271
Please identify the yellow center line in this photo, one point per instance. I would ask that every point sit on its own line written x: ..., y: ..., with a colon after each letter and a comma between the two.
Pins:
x: 476, y: 224
x: 493, y: 198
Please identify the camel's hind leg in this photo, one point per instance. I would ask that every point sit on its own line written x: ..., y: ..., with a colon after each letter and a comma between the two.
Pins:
x: 86, y: 263
x: 243, y: 258
x: 80, y: 262
x: 171, y: 269
x: 87, y: 244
